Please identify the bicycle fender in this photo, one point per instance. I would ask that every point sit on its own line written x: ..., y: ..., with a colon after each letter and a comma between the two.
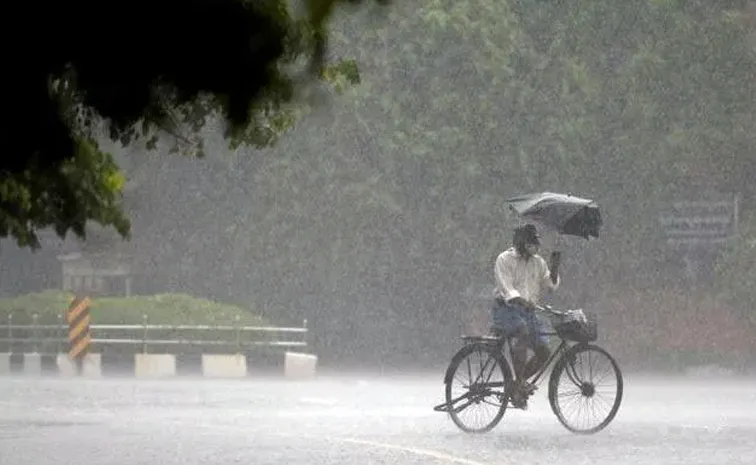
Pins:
x: 449, y: 373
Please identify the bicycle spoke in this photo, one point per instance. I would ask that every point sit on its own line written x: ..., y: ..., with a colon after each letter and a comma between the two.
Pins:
x: 477, y: 403
x: 586, y: 391
x: 462, y: 407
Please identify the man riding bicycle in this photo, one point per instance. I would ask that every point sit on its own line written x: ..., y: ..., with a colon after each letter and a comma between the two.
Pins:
x: 521, y: 277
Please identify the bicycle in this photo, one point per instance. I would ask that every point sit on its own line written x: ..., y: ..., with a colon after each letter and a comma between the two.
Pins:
x: 576, y: 331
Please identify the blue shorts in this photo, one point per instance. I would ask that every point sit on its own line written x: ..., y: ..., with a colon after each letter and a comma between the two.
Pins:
x: 512, y: 319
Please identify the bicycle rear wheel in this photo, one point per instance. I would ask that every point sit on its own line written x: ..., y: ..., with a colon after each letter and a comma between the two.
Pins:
x: 585, y: 382
x: 477, y: 388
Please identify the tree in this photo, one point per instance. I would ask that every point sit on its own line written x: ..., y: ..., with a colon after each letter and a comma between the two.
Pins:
x: 735, y: 280
x: 84, y: 187
x: 390, y: 202
x: 136, y: 70
x: 374, y: 216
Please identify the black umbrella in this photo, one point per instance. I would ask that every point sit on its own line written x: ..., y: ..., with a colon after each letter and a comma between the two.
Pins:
x: 569, y: 215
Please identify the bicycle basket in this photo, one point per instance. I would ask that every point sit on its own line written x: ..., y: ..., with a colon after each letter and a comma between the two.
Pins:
x: 578, y: 326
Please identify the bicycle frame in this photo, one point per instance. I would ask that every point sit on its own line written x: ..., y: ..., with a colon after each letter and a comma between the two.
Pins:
x: 483, y: 389
x: 500, y: 342
x: 553, y: 357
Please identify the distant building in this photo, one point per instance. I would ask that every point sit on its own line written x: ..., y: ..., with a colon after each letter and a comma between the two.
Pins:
x: 96, y: 274
x: 100, y: 266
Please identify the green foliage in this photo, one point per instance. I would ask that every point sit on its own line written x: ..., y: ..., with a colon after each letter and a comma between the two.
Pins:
x: 170, y: 67
x: 462, y: 104
x: 398, y: 185
x: 48, y: 305
x: 631, y: 103
x: 173, y: 309
x: 87, y: 187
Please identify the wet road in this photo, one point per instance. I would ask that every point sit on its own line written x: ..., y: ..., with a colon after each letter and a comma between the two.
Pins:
x: 356, y: 420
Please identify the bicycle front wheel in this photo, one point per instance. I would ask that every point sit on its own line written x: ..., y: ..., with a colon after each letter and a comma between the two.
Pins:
x: 585, y: 389
x: 477, y: 388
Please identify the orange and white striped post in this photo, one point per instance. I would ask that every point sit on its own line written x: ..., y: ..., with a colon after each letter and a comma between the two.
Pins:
x: 79, y: 337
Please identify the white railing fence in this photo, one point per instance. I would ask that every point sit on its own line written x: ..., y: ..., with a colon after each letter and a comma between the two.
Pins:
x: 45, y: 338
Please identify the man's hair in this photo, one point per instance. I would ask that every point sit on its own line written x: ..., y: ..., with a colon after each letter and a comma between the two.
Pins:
x: 525, y: 235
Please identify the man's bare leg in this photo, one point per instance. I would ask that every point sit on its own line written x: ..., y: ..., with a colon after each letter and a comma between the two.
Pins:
x: 519, y: 360
x: 520, y: 357
x: 536, y: 362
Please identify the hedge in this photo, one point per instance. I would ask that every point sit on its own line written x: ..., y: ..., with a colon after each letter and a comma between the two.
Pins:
x: 170, y: 309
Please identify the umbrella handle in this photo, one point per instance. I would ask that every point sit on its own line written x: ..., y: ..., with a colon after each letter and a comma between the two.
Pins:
x: 558, y: 242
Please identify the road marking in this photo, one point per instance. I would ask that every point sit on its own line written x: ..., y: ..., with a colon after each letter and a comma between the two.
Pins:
x: 413, y: 450
x: 361, y: 442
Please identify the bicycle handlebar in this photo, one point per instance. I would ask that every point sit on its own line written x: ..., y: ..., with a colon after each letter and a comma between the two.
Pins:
x: 548, y: 309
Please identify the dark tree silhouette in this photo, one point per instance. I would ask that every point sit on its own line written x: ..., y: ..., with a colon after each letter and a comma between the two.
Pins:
x: 76, y: 67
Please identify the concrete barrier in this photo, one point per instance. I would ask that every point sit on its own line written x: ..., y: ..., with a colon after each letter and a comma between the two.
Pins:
x: 66, y: 366
x: 5, y: 364
x: 299, y: 365
x: 224, y: 366
x: 154, y: 365
x: 32, y: 364
x: 91, y: 366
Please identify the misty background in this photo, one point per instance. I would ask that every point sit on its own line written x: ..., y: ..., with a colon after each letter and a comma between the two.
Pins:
x: 379, y: 215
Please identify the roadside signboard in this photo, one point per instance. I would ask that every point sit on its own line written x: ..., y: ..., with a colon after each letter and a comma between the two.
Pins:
x: 700, y: 223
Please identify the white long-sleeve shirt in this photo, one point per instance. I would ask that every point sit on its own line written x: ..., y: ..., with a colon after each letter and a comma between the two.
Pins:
x: 517, y: 277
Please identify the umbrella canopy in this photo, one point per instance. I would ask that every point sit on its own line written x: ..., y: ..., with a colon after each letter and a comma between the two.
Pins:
x: 567, y: 214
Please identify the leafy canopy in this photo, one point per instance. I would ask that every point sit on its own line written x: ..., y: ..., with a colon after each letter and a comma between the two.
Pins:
x: 134, y: 70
